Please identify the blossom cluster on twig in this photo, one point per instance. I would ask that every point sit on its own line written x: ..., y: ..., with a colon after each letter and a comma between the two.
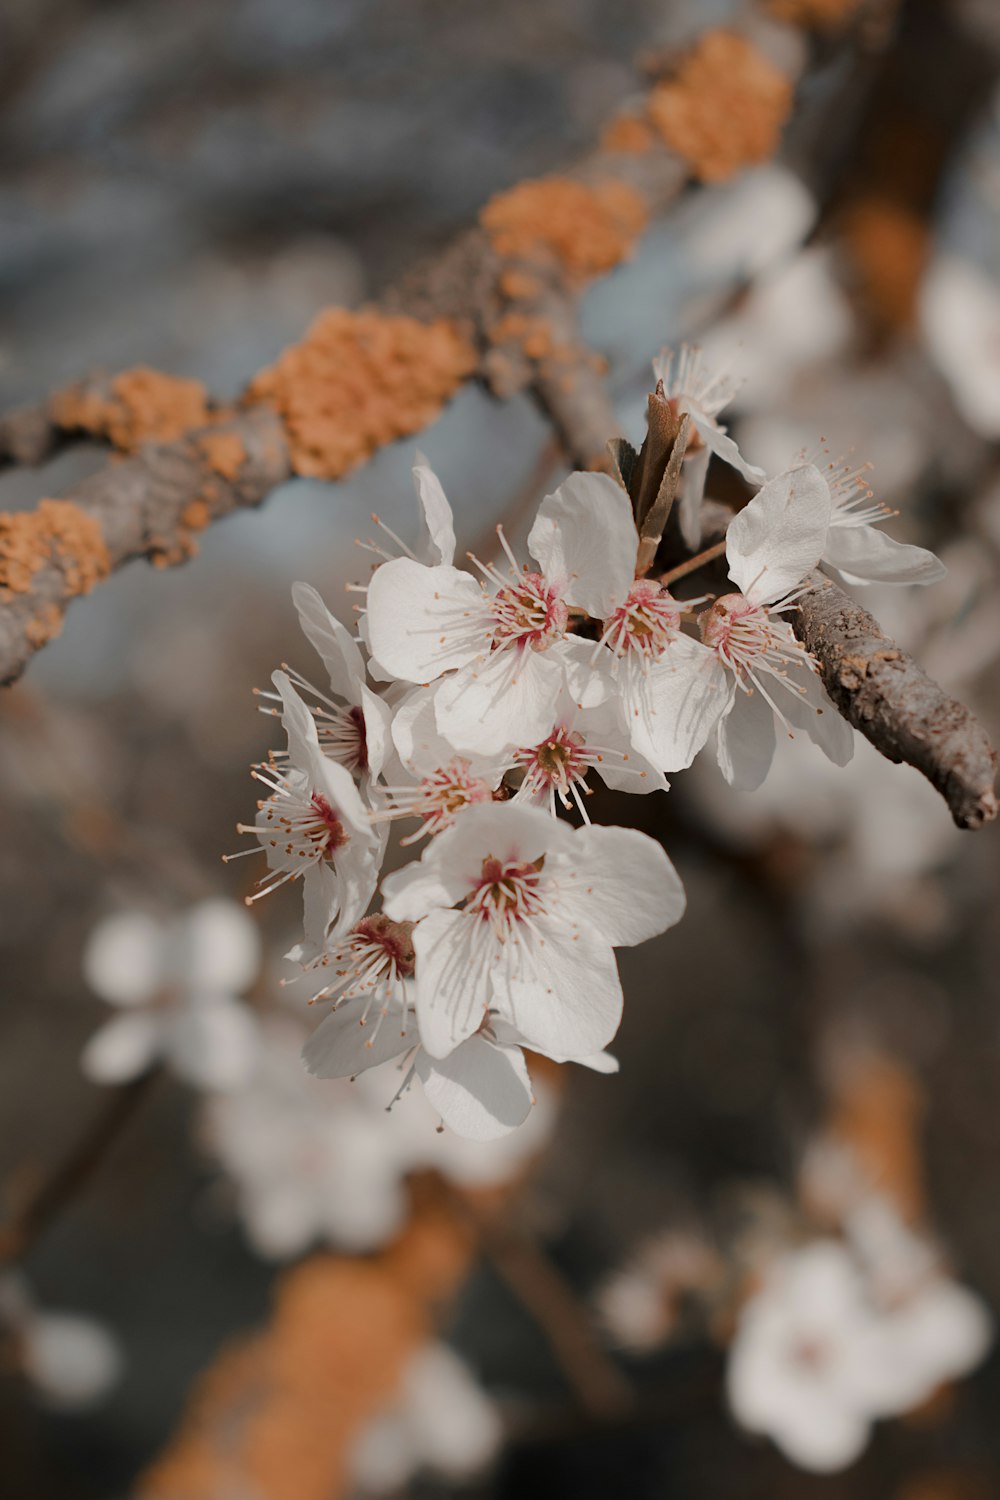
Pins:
x: 475, y: 708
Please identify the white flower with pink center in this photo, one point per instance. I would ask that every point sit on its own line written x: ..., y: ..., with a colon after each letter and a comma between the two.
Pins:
x: 353, y: 723
x: 771, y: 545
x: 517, y: 915
x: 501, y: 640
x: 702, y: 394
x: 313, y: 826
x: 856, y: 548
x: 671, y: 688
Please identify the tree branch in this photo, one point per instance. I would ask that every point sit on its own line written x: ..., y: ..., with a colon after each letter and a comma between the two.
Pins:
x: 905, y: 714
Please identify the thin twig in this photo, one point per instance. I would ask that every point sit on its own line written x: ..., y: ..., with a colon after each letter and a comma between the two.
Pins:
x: 700, y: 560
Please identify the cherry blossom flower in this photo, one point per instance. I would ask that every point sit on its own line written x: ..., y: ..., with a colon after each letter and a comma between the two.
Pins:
x: 439, y: 1420
x: 770, y: 546
x: 816, y: 1360
x: 72, y: 1361
x: 690, y: 388
x: 857, y: 549
x: 670, y: 688
x: 517, y: 913
x: 315, y: 827
x: 353, y: 731
x: 176, y: 982
x: 500, y: 639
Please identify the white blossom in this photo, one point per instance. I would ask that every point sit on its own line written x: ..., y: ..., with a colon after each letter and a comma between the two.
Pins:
x: 315, y: 827
x: 690, y: 388
x: 771, y: 545
x: 439, y: 1420
x: 855, y: 546
x: 500, y: 640
x: 817, y: 1358
x: 518, y: 913
x: 72, y: 1361
x: 176, y: 981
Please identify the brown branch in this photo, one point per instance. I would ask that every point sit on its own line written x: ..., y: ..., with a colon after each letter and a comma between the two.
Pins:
x: 63, y: 1184
x: 905, y: 714
x: 152, y: 506
x: 500, y: 305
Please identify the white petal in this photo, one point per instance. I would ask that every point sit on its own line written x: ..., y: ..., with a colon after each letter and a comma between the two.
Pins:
x: 599, y: 1062
x: 566, y: 999
x: 213, y: 1044
x: 450, y: 1007
x: 454, y: 1427
x: 341, y: 1047
x: 438, y: 541
x: 378, y: 720
x: 280, y: 1217
x: 122, y: 1049
x: 780, y: 535
x: 813, y: 712
x: 422, y: 747
x: 420, y: 620
x: 332, y: 642
x: 673, y: 707
x: 621, y: 883
x: 717, y: 442
x: 865, y: 554
x: 504, y: 701
x: 692, y: 491
x: 585, y: 541
x: 124, y: 956
x: 216, y: 947
x: 72, y: 1360
x: 479, y: 1090
x: 746, y: 741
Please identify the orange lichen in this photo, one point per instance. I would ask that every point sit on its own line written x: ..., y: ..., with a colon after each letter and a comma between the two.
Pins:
x: 277, y: 1416
x: 519, y: 285
x: 587, y: 228
x: 877, y: 1110
x: 44, y: 626
x: 56, y: 533
x: 629, y: 134
x: 359, y: 380
x: 140, y: 406
x: 724, y: 107
x: 821, y: 15
x: 167, y: 552
x: 224, y: 452
x: 888, y: 244
x: 533, y: 334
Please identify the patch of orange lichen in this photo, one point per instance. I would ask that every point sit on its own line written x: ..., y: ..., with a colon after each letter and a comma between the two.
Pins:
x: 140, y: 406
x: 44, y: 626
x: 888, y: 244
x: 58, y: 533
x: 519, y: 285
x: 628, y: 133
x: 359, y: 380
x: 821, y: 15
x: 224, y: 452
x: 532, y: 333
x: 587, y: 228
x: 877, y: 1111
x: 724, y: 107
x: 276, y: 1416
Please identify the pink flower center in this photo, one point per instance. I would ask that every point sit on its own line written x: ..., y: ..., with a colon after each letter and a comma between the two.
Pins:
x: 556, y: 763
x: 342, y: 735
x: 645, y: 624
x: 324, y: 832
x: 528, y: 612
x: 508, y: 892
x: 740, y: 632
x: 378, y: 934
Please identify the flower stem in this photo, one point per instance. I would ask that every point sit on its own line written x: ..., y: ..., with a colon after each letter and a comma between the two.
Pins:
x: 699, y: 560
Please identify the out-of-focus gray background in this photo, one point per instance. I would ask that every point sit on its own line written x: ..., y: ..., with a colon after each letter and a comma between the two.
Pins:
x: 184, y: 183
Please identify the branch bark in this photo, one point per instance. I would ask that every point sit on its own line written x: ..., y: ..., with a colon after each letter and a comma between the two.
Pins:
x: 905, y: 714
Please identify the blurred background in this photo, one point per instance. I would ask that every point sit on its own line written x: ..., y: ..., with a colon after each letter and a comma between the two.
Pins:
x: 201, y: 1309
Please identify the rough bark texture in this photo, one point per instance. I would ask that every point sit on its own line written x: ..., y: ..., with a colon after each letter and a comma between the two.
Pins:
x: 907, y: 716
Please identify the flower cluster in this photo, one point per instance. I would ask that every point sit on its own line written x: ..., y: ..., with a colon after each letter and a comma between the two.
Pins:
x: 474, y: 709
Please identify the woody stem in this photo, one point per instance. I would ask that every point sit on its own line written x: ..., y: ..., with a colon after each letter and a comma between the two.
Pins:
x: 699, y: 560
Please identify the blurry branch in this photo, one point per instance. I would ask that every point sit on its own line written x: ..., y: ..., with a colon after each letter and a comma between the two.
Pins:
x: 64, y: 1182
x: 903, y: 712
x: 497, y: 304
x: 600, y: 1388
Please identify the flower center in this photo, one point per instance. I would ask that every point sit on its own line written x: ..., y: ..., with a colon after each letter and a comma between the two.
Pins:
x: 324, y: 834
x: 342, y: 736
x: 528, y: 612
x: 645, y: 624
x: 558, y: 765
x: 507, y: 893
x: 439, y: 798
x: 393, y: 939
x: 746, y: 638
x: 301, y: 826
